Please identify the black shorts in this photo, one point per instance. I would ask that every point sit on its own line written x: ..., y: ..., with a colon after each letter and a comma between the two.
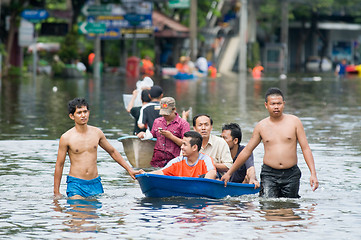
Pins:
x: 277, y: 183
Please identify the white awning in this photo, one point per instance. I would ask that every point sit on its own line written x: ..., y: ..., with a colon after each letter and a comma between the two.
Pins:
x: 330, y: 26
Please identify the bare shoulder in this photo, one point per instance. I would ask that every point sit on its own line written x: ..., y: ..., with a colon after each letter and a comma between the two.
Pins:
x: 290, y: 116
x: 293, y: 118
x: 95, y: 130
x: 262, y: 123
x: 68, y: 134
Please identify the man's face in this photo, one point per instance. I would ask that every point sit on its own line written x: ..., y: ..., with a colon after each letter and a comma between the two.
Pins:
x: 81, y: 115
x: 203, y: 126
x: 275, y: 105
x: 170, y: 116
x: 226, y: 135
x: 186, y: 147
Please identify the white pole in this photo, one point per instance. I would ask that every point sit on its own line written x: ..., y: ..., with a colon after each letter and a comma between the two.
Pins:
x: 35, y: 55
x: 97, y: 51
x: 1, y: 63
x: 1, y: 57
x: 284, y: 35
x: 193, y: 29
x: 242, y: 60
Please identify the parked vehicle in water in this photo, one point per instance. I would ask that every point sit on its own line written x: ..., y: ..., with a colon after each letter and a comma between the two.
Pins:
x: 313, y: 64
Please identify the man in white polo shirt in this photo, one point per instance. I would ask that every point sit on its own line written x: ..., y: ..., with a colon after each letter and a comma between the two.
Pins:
x: 213, y: 146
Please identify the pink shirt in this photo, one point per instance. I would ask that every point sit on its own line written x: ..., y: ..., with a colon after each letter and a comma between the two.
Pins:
x: 165, y: 149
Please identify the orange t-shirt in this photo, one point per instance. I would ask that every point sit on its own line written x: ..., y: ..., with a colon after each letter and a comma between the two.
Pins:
x: 179, y: 166
x: 148, y: 67
x: 179, y: 66
x: 91, y: 58
x: 257, y: 71
x: 183, y: 68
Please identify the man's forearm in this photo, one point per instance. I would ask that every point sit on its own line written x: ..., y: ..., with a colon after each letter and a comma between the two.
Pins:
x: 57, y: 180
x: 221, y: 167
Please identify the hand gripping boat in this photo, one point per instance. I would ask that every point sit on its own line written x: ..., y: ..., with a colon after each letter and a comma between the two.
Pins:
x: 159, y: 186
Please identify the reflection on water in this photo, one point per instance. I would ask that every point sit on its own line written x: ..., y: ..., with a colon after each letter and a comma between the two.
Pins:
x: 83, y: 212
x: 280, y: 210
x: 33, y: 116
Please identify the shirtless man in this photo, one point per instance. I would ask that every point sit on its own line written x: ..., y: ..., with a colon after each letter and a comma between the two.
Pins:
x: 81, y: 143
x: 280, y: 175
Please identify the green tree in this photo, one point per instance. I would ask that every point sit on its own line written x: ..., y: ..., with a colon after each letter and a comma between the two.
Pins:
x: 15, y: 7
x: 69, y: 47
x: 203, y: 8
x: 306, y: 11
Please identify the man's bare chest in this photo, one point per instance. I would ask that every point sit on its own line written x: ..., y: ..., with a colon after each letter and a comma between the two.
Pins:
x: 277, y: 133
x: 78, y: 145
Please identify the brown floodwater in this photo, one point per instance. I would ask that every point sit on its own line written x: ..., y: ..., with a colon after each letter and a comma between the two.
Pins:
x: 33, y: 115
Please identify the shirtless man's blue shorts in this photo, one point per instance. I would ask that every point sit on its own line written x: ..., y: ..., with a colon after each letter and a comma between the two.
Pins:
x: 277, y: 183
x: 82, y: 187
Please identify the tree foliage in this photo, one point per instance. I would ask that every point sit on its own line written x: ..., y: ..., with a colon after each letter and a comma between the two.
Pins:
x: 269, y: 17
x: 203, y: 8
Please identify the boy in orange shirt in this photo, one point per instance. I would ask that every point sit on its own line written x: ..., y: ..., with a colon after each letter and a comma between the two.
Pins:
x: 191, y: 163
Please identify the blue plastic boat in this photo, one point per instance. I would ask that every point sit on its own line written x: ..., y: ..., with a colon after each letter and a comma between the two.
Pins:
x: 159, y: 186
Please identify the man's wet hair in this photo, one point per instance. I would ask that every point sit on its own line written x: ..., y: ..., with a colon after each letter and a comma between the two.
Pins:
x: 199, y: 115
x: 235, y: 129
x: 196, y: 138
x: 77, y: 103
x: 273, y: 91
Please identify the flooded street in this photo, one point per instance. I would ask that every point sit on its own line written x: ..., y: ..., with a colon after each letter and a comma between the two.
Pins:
x: 33, y: 115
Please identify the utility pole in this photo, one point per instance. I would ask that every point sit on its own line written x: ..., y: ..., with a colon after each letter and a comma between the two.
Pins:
x: 193, y: 29
x: 1, y: 57
x: 243, y: 18
x: 284, y: 35
x: 97, y: 52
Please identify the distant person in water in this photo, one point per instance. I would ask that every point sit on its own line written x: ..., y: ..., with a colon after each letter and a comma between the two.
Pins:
x: 257, y: 71
x: 340, y: 70
x: 280, y: 133
x: 81, y: 144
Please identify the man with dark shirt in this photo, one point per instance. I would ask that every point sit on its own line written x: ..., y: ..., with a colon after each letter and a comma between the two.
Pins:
x: 150, y: 111
x: 232, y: 133
x: 135, y: 111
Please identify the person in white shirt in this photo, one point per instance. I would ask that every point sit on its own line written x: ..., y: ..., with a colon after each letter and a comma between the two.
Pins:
x: 80, y: 66
x: 214, y: 146
x: 202, y: 64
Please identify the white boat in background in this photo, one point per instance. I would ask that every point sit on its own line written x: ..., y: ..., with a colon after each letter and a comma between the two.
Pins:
x: 313, y: 64
x: 139, y: 152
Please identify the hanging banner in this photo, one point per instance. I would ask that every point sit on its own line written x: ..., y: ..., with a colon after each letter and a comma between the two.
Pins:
x: 178, y: 4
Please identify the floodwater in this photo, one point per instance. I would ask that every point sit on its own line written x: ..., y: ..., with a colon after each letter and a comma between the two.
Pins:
x: 33, y: 115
